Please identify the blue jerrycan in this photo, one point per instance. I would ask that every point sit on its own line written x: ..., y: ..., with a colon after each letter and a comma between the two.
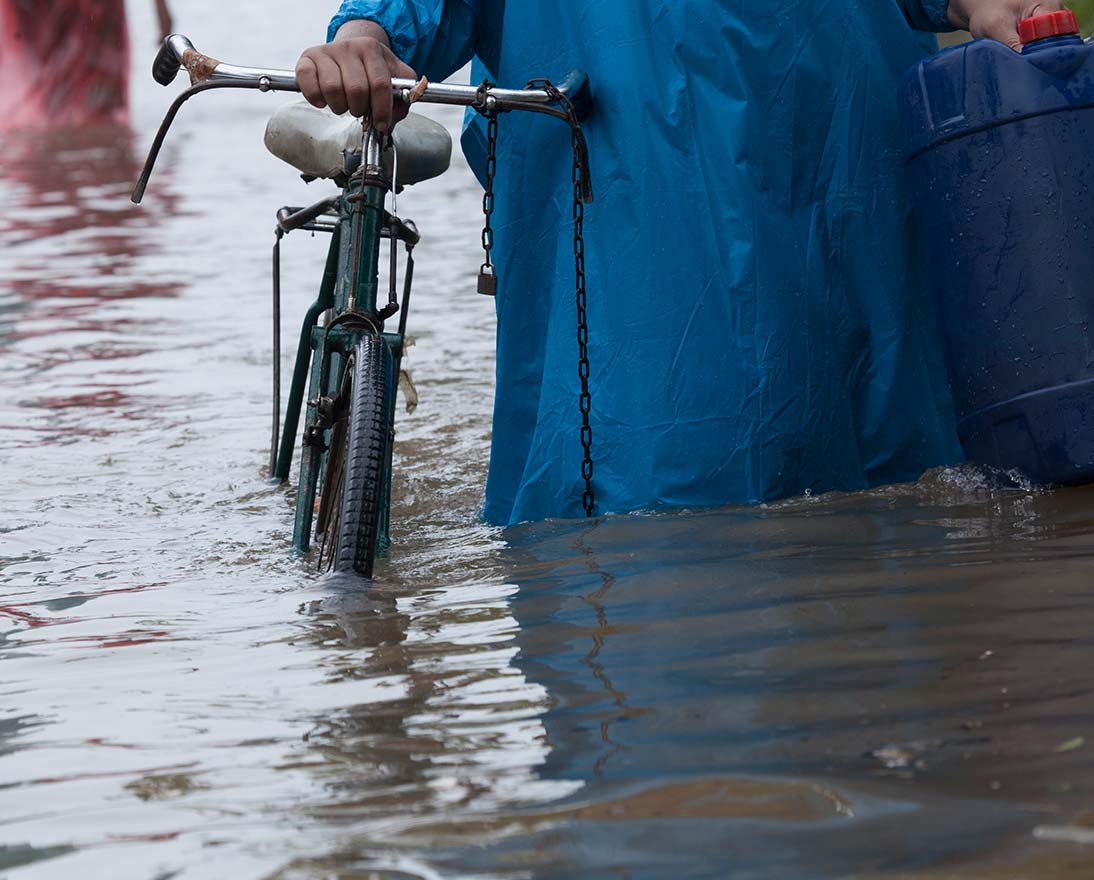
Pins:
x: 1000, y: 150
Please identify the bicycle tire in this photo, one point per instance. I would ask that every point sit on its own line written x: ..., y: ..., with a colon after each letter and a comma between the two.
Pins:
x: 367, y: 457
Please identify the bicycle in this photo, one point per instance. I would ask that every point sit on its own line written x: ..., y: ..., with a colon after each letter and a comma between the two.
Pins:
x: 348, y: 360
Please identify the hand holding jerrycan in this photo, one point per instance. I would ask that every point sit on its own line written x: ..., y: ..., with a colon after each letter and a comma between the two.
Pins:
x: 1000, y: 151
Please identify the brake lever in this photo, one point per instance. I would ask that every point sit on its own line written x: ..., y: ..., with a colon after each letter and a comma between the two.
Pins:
x: 175, y: 52
x: 161, y: 135
x: 178, y: 52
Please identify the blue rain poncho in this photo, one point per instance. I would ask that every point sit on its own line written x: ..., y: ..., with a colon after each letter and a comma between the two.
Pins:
x: 758, y: 319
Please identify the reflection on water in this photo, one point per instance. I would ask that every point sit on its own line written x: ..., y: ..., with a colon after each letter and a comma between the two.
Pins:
x: 887, y: 684
x: 72, y: 244
x: 812, y: 640
x: 856, y: 685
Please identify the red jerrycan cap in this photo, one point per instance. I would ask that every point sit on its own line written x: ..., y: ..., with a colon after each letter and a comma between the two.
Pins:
x: 1051, y: 24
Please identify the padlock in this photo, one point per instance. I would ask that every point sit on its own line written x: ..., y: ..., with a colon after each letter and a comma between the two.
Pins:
x: 488, y: 280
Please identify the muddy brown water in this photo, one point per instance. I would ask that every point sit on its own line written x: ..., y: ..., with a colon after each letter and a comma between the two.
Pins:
x: 888, y: 684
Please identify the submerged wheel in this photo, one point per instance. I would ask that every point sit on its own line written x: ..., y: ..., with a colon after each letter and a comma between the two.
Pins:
x: 362, y: 471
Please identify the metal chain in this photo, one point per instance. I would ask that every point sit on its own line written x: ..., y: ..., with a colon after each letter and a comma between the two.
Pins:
x: 578, y: 175
x: 583, y: 194
x: 488, y: 276
x: 488, y: 193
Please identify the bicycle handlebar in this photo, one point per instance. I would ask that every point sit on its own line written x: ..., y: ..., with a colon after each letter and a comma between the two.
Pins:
x: 177, y: 52
x: 207, y: 73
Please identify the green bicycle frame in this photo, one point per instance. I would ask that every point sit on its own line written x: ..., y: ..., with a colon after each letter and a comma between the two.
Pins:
x: 348, y: 289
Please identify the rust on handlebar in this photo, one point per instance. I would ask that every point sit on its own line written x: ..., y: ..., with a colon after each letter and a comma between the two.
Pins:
x: 415, y: 94
x: 200, y: 67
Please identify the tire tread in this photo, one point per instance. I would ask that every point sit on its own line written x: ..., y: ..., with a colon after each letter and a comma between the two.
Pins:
x: 366, y: 458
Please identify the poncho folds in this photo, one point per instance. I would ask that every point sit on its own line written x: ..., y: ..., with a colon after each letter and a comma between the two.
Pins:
x: 758, y: 321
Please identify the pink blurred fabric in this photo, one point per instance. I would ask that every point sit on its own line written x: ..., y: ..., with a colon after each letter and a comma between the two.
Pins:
x: 63, y: 62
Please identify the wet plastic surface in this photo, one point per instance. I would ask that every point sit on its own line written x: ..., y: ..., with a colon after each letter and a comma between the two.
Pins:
x: 1000, y: 153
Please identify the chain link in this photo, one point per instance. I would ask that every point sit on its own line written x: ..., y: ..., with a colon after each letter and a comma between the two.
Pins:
x: 488, y: 193
x: 586, y: 401
x: 484, y: 103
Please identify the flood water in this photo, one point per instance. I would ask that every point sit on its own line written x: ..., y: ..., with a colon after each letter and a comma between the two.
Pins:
x: 894, y: 684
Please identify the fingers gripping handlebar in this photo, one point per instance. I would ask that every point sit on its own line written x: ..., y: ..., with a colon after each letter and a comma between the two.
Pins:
x: 207, y: 73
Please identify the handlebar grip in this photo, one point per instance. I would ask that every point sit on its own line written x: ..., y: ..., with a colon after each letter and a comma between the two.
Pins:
x: 576, y: 86
x: 169, y: 59
x: 166, y: 66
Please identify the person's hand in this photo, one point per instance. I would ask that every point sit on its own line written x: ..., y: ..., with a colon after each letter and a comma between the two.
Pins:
x: 354, y: 73
x: 998, y: 19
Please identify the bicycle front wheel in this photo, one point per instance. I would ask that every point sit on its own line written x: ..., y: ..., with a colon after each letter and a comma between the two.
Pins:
x: 360, y: 530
